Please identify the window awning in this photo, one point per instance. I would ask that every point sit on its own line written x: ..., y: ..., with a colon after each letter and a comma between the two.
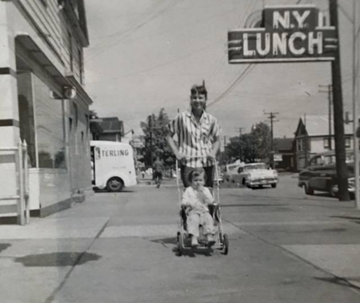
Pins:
x: 35, y: 53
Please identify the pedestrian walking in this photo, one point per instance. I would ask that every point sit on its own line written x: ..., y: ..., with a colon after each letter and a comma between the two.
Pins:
x: 198, y: 137
x: 158, y: 167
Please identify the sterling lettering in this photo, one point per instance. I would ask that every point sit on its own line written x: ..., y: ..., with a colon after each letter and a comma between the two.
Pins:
x: 289, y: 34
x: 114, y: 153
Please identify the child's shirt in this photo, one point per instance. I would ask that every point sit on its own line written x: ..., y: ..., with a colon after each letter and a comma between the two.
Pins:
x: 197, y: 200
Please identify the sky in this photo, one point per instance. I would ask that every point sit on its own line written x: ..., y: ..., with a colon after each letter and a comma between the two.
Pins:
x: 145, y: 55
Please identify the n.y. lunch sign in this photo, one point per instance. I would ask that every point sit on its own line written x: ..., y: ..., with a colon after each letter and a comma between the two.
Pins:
x: 289, y: 34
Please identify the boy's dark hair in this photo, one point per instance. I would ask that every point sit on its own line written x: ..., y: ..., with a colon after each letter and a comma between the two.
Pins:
x: 196, y: 173
x: 199, y: 90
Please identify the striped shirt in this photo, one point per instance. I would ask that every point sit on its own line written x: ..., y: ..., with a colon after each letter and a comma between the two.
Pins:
x: 195, y: 139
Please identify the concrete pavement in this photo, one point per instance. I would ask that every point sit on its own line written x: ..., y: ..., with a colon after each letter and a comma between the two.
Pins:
x: 284, y: 247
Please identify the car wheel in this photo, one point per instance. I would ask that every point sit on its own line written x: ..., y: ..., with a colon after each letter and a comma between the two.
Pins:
x: 308, y: 190
x: 273, y: 185
x: 115, y: 184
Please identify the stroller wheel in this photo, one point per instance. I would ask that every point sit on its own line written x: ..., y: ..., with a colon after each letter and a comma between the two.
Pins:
x: 180, y: 244
x: 226, y: 244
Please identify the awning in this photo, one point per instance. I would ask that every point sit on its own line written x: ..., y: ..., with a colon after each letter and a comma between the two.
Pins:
x: 45, y: 63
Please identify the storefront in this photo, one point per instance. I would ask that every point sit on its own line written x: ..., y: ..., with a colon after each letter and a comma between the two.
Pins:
x: 44, y: 103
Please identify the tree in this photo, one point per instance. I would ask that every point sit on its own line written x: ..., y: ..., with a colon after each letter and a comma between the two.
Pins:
x: 262, y: 134
x: 155, y: 145
x: 251, y: 147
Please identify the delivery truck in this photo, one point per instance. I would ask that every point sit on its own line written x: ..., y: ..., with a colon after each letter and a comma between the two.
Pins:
x: 112, y: 165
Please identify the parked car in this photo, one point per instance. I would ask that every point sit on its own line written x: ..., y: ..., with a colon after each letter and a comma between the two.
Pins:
x: 256, y: 175
x: 320, y: 174
x: 231, y: 170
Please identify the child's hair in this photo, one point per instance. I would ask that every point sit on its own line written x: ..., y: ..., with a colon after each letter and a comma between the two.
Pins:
x: 199, y: 90
x: 196, y: 173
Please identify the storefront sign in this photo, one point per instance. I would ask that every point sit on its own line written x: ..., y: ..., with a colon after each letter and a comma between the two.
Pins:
x: 289, y: 34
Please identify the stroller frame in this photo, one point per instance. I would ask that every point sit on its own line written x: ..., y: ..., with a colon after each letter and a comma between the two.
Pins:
x: 183, y: 239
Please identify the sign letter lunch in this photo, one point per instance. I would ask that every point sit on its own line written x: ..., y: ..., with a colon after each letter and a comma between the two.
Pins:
x: 289, y: 34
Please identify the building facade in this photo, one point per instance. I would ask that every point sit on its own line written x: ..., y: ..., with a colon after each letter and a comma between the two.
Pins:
x: 44, y: 101
x: 107, y: 129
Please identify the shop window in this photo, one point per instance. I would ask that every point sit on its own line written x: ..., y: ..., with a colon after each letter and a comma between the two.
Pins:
x: 75, y: 114
x: 300, y: 145
x: 71, y: 54
x: 347, y: 142
x: 326, y: 143
x: 70, y: 124
x: 81, y: 65
x: 26, y: 115
x: 49, y: 127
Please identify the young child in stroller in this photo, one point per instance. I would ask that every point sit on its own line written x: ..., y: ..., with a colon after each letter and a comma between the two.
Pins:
x: 196, y: 199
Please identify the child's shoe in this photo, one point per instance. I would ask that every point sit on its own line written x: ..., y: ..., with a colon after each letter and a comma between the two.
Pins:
x: 210, y: 239
x: 194, y: 241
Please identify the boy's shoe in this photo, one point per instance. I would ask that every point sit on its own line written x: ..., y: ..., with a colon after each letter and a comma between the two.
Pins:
x: 210, y: 239
x: 194, y: 241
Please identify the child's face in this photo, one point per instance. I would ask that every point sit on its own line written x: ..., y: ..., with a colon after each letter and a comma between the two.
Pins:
x: 198, y: 181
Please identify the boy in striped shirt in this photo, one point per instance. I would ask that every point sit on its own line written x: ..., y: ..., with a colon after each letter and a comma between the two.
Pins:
x: 198, y: 137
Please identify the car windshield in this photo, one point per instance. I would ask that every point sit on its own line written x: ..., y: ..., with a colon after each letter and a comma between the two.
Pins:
x: 255, y: 166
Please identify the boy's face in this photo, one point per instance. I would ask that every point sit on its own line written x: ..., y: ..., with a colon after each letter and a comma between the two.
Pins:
x: 198, y: 181
x: 197, y: 101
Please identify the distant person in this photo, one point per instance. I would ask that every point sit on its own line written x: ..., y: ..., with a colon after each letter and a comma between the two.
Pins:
x: 143, y: 174
x: 198, y: 137
x: 158, y: 168
x: 197, y: 198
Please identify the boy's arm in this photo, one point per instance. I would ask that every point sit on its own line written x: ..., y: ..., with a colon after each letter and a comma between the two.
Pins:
x: 173, y: 147
x: 215, y: 148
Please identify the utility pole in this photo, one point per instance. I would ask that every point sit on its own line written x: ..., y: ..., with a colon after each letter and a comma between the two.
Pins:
x: 341, y: 167
x: 240, y: 134
x: 150, y: 130
x: 306, y: 143
x: 271, y: 117
x: 328, y: 91
x: 355, y: 101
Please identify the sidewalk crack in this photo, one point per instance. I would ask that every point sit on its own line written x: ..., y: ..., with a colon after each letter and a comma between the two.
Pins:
x: 61, y: 285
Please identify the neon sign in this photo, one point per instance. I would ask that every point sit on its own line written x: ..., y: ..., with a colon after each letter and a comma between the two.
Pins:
x: 288, y: 34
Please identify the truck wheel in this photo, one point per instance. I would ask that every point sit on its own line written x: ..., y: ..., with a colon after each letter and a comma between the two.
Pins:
x: 114, y: 184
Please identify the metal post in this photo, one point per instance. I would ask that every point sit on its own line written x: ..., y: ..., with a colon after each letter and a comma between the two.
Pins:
x: 341, y: 167
x: 330, y: 118
x: 26, y: 184
x: 21, y: 202
x: 355, y: 106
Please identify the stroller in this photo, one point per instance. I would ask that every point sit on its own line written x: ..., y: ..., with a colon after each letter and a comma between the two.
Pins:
x: 183, y: 238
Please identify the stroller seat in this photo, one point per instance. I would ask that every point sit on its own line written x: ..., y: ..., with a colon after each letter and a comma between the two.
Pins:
x: 213, y: 210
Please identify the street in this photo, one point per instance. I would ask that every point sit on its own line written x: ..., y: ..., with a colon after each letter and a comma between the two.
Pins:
x: 284, y: 247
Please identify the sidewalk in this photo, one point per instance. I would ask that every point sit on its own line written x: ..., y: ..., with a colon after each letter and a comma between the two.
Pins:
x: 39, y: 257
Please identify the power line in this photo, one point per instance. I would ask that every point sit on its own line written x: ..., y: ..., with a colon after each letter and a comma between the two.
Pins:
x: 111, y: 45
x: 232, y: 85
